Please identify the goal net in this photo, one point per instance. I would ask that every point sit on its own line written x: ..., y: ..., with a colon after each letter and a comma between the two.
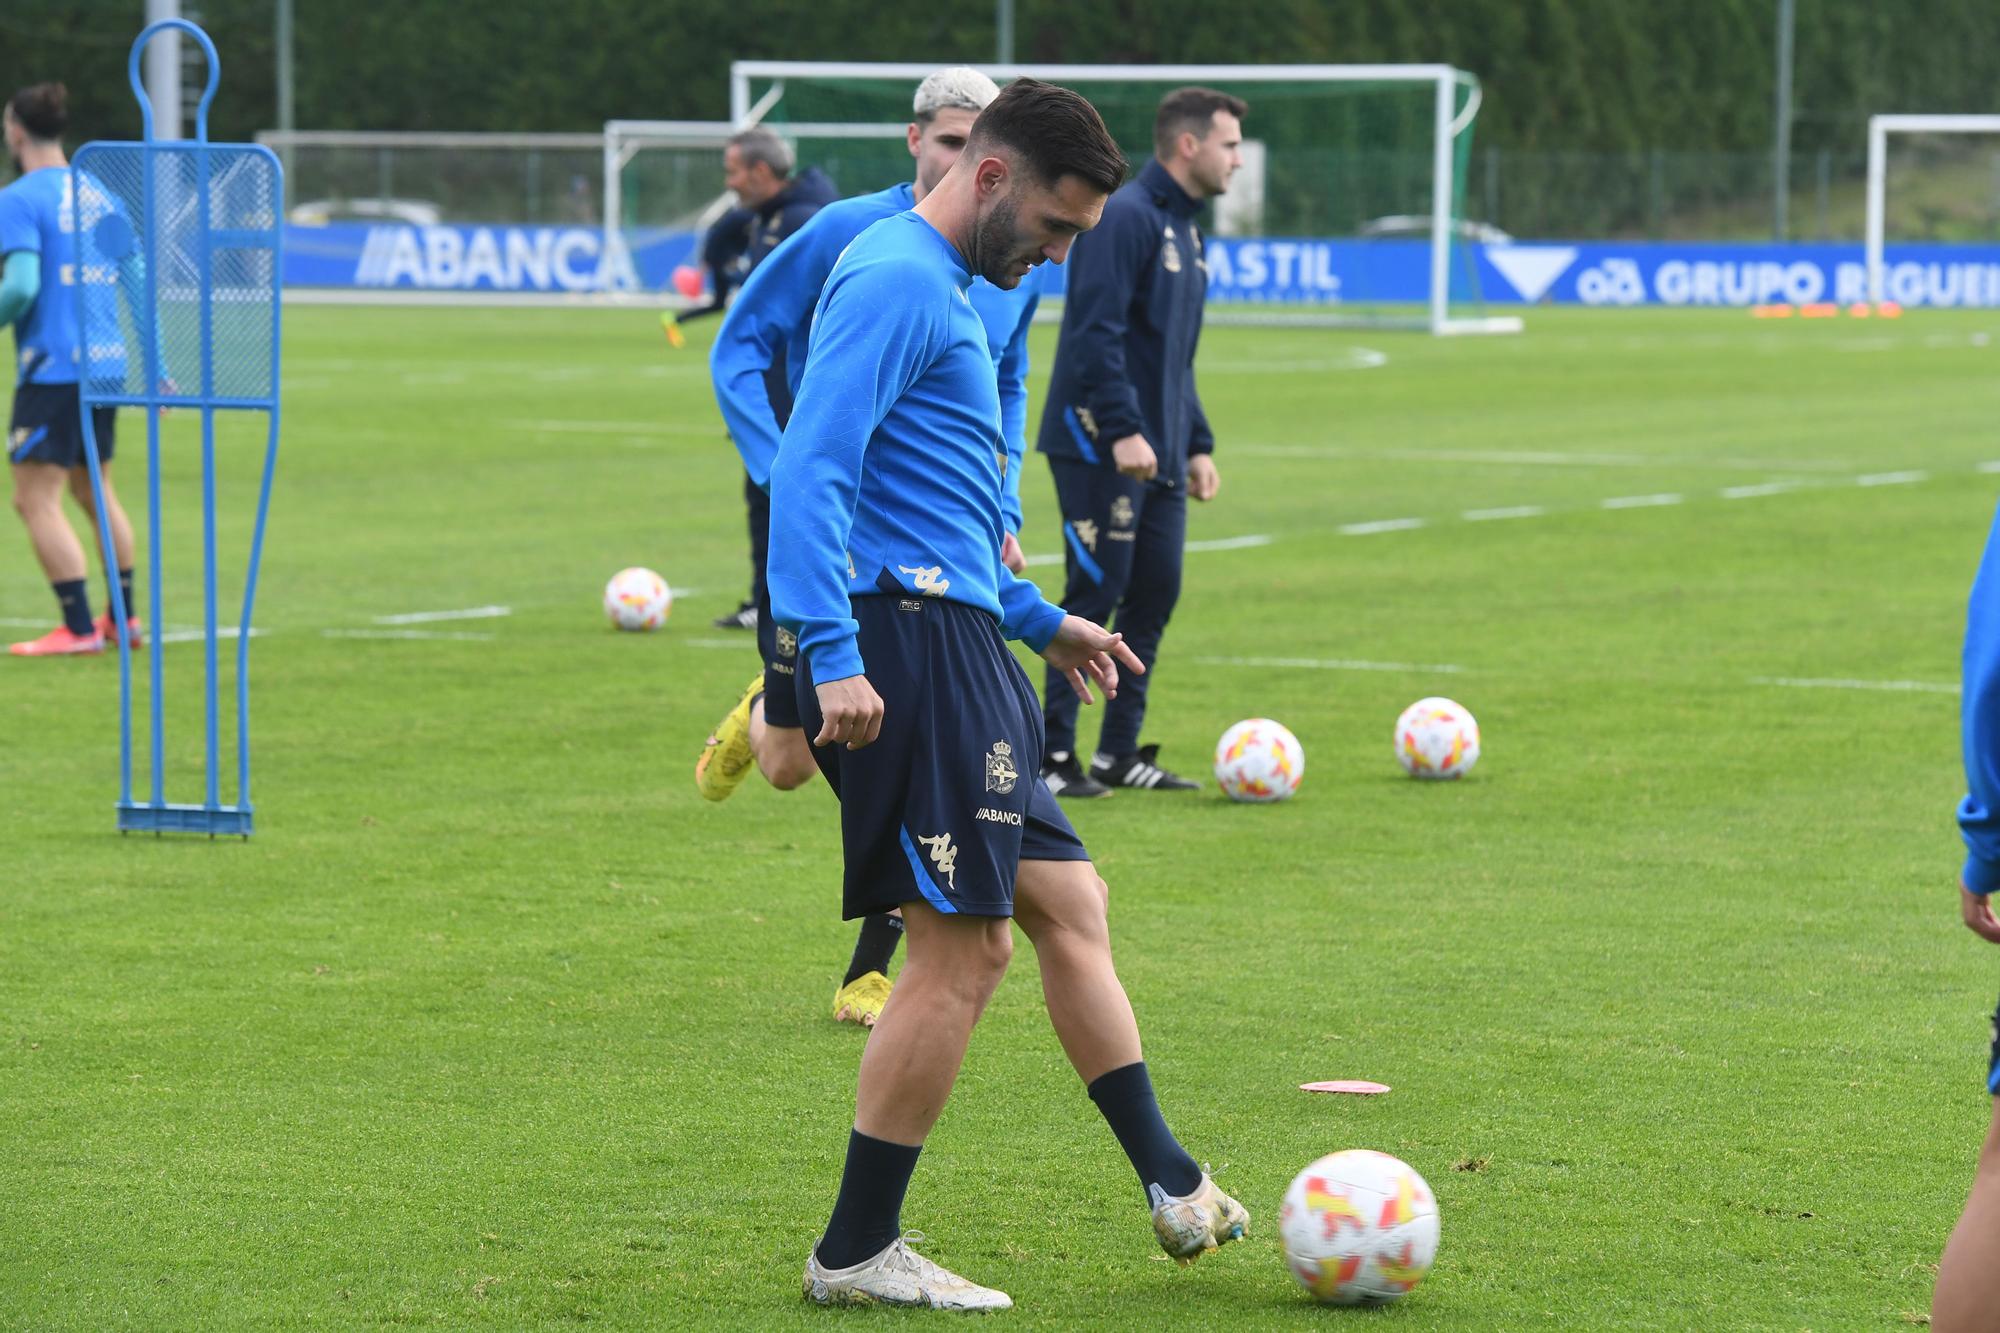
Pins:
x: 1933, y: 179
x: 1348, y: 210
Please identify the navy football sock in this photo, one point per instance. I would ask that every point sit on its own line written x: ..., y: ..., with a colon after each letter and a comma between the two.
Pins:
x: 75, y: 604
x: 1125, y: 1096
x: 869, y: 1212
x: 877, y: 945
x: 125, y: 591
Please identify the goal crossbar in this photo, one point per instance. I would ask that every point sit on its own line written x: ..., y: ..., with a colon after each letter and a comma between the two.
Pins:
x: 1879, y: 130
x: 1448, y: 123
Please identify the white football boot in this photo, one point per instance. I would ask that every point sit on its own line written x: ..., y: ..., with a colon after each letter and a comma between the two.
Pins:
x: 898, y: 1276
x: 1191, y: 1226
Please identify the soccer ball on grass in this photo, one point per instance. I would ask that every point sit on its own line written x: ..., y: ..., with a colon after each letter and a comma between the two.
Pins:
x: 1359, y: 1228
x: 637, y: 599
x: 1258, y: 760
x: 1436, y: 738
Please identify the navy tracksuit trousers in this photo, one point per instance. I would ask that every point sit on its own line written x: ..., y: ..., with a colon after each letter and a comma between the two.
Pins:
x: 1122, y: 541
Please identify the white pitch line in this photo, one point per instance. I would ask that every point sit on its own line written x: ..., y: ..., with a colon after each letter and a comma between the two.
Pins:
x: 1544, y: 458
x: 1892, y: 686
x: 1490, y: 515
x: 1642, y: 501
x: 745, y: 642
x: 1991, y: 466
x: 196, y: 636
x: 1380, y: 525
x: 425, y: 617
x: 1328, y: 664
x: 1892, y: 478
x: 455, y: 636
x: 1751, y: 492
x: 1231, y: 543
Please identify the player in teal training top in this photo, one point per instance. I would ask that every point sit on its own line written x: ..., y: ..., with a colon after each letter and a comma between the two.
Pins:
x: 886, y: 520
x: 1968, y: 1285
x: 45, y: 433
x: 771, y: 324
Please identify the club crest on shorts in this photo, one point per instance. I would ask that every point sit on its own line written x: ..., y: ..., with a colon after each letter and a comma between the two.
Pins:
x: 1001, y: 775
x: 1170, y: 253
x: 1121, y: 512
x: 788, y: 643
x: 944, y: 856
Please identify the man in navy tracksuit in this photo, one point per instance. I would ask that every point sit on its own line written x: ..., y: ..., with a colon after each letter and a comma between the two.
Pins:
x: 757, y: 165
x: 1123, y: 428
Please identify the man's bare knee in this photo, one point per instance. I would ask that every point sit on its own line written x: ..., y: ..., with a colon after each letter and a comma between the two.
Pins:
x: 786, y: 759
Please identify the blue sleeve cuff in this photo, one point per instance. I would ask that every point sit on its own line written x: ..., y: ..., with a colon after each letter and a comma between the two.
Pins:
x: 1041, y: 626
x: 1980, y: 876
x: 836, y: 660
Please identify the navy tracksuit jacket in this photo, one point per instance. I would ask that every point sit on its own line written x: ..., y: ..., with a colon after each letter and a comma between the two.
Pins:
x: 1124, y: 365
x: 735, y: 245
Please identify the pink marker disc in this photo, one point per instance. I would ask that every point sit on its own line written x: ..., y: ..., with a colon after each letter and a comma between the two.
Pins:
x: 1356, y: 1085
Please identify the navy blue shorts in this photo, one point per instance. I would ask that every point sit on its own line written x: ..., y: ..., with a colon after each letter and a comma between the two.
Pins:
x: 780, y: 649
x: 48, y: 426
x: 948, y: 800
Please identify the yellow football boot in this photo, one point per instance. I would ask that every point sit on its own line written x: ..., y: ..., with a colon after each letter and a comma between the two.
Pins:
x: 861, y: 1000
x: 727, y: 757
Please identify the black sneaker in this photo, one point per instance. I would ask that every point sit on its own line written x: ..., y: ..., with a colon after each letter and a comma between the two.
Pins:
x: 743, y: 617
x: 1063, y: 772
x: 1138, y: 770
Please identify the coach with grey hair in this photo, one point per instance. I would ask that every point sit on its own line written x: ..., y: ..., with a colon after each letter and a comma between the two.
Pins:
x: 757, y: 167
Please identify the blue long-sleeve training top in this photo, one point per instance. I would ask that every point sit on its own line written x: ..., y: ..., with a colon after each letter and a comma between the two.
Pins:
x: 1979, y: 813
x: 888, y: 477
x: 1131, y: 320
x: 771, y: 323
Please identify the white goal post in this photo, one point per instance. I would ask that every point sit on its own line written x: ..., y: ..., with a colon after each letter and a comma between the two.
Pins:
x: 1448, y: 122
x: 1879, y: 130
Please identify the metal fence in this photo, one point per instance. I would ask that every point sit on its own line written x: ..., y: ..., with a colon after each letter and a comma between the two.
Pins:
x: 558, y: 179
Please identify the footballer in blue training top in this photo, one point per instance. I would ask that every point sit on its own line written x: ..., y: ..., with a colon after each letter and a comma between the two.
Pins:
x: 45, y: 446
x: 1968, y: 1284
x: 887, y: 501
x: 770, y: 325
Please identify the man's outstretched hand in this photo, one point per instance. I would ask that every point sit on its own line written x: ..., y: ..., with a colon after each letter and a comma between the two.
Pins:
x: 1085, y: 651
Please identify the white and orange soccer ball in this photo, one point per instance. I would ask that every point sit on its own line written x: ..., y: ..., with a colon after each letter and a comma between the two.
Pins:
x: 1258, y: 760
x: 637, y: 599
x: 1436, y: 738
x: 1359, y: 1228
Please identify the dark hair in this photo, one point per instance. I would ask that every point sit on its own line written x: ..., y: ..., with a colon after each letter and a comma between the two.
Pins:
x: 1054, y: 132
x: 1191, y: 111
x: 42, y: 110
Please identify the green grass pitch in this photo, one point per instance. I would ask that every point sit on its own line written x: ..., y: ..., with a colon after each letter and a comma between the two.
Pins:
x: 496, y: 1023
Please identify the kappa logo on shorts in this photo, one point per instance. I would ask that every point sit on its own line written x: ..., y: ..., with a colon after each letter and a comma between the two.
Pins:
x: 788, y: 643
x: 944, y: 856
x: 1001, y: 775
x: 1086, y: 532
x: 1121, y: 512
x: 929, y: 579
